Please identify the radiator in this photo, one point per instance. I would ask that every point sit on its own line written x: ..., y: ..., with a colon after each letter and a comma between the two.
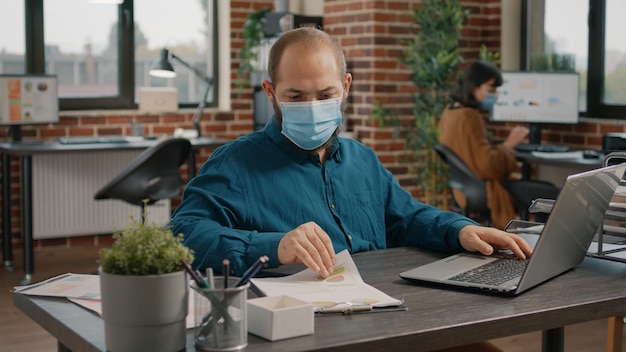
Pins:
x: 63, y: 189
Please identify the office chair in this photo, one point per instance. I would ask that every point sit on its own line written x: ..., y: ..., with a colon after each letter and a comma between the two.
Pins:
x: 153, y: 175
x: 462, y: 178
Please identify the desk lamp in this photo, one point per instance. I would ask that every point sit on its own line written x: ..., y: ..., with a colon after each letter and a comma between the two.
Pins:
x: 163, y: 68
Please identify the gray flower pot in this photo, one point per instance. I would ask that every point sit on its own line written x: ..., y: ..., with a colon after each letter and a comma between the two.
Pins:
x: 144, y: 313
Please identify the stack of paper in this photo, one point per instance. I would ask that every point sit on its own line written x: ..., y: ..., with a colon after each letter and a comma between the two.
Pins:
x: 343, y: 287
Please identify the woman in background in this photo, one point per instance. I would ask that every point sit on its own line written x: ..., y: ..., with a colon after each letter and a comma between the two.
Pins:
x: 462, y: 129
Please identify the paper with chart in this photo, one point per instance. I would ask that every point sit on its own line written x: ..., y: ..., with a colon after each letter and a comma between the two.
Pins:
x: 343, y: 286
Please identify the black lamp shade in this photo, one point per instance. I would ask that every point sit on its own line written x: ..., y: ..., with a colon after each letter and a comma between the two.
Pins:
x: 162, y: 67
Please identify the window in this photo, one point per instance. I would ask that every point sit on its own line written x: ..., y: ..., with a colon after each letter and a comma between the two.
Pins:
x: 585, y: 36
x: 102, y: 52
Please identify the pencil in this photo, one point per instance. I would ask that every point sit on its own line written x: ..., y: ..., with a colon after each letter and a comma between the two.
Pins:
x: 226, y: 264
x: 253, y: 270
x: 200, y: 282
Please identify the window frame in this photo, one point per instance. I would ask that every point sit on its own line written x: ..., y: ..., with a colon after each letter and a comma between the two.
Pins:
x: 35, y: 61
x: 595, y: 65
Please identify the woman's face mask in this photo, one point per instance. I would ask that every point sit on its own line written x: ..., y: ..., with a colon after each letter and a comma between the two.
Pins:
x: 489, y: 101
x: 310, y: 124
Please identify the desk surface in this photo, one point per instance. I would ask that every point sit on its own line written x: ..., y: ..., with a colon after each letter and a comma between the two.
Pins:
x: 581, y: 162
x: 34, y: 147
x: 436, y: 318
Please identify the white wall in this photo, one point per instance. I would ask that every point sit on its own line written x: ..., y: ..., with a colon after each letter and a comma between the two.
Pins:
x: 511, y: 36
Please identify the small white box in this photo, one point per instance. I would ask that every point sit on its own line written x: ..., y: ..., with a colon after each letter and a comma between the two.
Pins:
x: 280, y: 317
x: 158, y: 99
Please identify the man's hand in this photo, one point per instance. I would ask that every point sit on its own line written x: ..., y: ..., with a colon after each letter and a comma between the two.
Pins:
x: 487, y: 239
x: 310, y: 245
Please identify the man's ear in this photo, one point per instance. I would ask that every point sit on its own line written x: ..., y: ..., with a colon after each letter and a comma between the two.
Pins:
x: 268, y: 88
x: 346, y: 84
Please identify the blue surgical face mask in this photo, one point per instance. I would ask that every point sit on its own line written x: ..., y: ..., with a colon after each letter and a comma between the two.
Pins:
x: 489, y: 101
x: 310, y: 124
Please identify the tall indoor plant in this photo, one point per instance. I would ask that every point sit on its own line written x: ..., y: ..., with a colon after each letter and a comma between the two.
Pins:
x: 144, y: 289
x: 434, y: 60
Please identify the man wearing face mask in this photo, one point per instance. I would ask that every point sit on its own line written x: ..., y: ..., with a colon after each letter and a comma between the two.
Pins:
x: 297, y: 192
x: 462, y: 129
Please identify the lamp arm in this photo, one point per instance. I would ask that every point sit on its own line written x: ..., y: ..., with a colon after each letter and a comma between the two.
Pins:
x: 209, y: 82
x: 195, y: 70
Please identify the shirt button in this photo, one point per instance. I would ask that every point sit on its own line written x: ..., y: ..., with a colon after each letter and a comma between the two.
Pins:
x: 332, y: 206
x: 350, y: 237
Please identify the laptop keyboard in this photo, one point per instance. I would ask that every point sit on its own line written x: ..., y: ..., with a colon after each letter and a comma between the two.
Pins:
x: 93, y: 140
x: 546, y: 148
x: 494, y: 273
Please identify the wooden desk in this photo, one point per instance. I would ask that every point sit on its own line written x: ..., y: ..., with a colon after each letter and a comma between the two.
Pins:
x: 25, y: 151
x: 436, y: 318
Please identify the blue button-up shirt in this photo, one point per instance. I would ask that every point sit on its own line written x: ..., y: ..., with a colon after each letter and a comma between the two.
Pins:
x: 255, y: 189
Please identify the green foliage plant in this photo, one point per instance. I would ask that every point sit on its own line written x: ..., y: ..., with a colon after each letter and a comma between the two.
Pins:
x: 145, y: 249
x: 434, y: 60
x: 253, y: 33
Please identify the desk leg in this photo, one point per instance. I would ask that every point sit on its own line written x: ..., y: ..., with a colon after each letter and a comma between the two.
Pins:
x: 27, y: 218
x: 7, y: 250
x: 553, y: 340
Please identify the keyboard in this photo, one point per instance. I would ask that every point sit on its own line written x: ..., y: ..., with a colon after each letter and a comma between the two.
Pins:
x: 546, y: 148
x: 494, y: 273
x: 93, y: 140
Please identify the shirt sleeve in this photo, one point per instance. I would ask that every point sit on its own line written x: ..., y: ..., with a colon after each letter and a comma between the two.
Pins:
x: 410, y: 222
x: 208, y: 218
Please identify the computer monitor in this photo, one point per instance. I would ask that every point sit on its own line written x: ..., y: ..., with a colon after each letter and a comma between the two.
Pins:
x: 537, y: 98
x: 27, y: 99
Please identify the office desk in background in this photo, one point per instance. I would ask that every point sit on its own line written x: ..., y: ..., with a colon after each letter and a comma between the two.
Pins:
x: 436, y: 318
x: 553, y: 169
x: 25, y: 152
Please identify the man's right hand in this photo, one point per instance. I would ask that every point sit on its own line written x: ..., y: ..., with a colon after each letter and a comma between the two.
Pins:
x: 310, y: 245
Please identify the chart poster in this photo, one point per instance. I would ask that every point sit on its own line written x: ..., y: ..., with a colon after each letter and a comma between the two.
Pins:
x: 537, y: 98
x: 28, y: 99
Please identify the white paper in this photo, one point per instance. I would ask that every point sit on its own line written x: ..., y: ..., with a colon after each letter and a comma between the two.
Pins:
x: 343, y: 286
x: 84, y: 290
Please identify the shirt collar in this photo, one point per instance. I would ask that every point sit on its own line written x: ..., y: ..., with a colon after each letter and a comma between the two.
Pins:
x: 298, y: 155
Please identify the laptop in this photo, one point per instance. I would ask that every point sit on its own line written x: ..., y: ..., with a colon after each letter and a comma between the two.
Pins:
x: 574, y: 220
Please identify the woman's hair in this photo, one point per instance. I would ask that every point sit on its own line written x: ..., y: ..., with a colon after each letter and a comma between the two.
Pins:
x: 474, y: 75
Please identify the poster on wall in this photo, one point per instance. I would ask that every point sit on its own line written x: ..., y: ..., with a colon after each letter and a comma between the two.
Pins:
x: 28, y: 99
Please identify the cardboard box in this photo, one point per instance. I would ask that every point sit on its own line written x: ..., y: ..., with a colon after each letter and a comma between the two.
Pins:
x: 280, y: 317
x: 158, y: 99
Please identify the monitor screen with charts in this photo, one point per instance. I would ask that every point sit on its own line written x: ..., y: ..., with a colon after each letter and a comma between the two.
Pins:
x: 28, y: 99
x: 537, y: 97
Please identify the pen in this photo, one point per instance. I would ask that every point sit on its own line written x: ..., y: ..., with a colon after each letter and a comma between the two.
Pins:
x: 205, y: 283
x: 200, y: 282
x: 253, y: 270
x: 209, y: 277
x: 226, y: 264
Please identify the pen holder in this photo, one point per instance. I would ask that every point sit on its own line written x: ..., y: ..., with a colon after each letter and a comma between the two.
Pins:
x: 221, y: 316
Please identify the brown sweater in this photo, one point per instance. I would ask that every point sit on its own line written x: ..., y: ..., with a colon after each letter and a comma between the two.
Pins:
x: 463, y: 131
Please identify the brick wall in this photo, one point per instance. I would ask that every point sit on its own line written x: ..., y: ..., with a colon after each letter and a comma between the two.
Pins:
x: 371, y: 33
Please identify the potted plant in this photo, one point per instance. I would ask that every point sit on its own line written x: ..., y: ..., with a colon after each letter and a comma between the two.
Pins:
x: 144, y: 289
x: 434, y: 60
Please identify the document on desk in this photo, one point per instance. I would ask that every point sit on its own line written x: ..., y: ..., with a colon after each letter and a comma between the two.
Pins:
x: 81, y: 289
x: 556, y: 155
x: 343, y: 288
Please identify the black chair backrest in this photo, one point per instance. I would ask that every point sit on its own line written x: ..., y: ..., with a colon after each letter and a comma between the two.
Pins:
x: 463, y: 179
x: 152, y: 175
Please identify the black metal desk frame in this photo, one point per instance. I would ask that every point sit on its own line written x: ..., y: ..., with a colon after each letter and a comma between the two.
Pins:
x: 24, y: 151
